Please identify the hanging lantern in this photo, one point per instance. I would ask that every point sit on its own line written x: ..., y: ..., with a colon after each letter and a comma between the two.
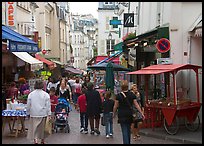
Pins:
x: 44, y: 51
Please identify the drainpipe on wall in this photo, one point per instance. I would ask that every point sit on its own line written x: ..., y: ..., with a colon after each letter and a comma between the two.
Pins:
x: 189, y: 49
x: 189, y: 62
x: 59, y: 36
x: 66, y: 39
x: 139, y: 5
x: 128, y: 12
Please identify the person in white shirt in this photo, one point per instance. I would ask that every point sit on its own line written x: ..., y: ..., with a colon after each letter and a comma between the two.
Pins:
x: 77, y: 91
x: 51, y: 84
x: 38, y: 109
x: 71, y: 81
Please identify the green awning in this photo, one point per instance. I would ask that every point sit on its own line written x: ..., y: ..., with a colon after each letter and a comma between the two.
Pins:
x: 118, y: 47
x: 156, y: 34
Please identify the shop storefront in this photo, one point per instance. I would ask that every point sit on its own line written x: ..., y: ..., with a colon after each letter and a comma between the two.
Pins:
x: 16, y: 59
x: 147, y: 54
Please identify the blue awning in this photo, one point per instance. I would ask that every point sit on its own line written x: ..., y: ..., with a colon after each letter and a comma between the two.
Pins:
x: 17, y: 42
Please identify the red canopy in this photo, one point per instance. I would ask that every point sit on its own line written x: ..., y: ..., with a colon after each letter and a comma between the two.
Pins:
x: 48, y: 62
x: 100, y: 58
x: 148, y: 71
x: 161, y: 68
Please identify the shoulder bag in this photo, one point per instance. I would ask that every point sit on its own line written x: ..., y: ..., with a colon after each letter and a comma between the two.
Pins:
x: 135, y: 113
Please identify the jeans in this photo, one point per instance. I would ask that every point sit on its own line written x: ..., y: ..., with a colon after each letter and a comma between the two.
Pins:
x: 75, y: 97
x: 84, y: 121
x: 108, y: 117
x: 125, y: 127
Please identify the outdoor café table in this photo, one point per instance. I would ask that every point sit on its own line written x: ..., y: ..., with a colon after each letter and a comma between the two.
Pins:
x: 12, y: 117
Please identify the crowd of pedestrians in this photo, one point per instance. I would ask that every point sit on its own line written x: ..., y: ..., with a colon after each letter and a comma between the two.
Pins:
x: 89, y: 102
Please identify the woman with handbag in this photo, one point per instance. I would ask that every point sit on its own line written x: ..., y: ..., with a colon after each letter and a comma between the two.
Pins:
x: 123, y: 103
x: 136, y: 125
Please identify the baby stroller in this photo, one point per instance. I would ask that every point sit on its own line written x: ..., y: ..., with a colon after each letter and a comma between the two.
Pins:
x: 61, y: 115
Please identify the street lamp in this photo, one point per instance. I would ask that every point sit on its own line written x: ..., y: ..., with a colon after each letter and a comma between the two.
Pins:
x: 116, y: 9
x: 119, y: 8
x: 109, y: 39
x: 110, y: 36
x: 33, y: 7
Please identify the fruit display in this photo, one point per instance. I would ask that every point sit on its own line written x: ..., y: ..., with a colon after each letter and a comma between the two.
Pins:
x: 23, y: 98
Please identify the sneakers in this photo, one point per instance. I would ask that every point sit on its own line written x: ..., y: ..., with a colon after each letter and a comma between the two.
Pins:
x: 85, y: 131
x: 82, y: 129
x: 110, y: 135
x: 97, y: 131
x: 92, y: 132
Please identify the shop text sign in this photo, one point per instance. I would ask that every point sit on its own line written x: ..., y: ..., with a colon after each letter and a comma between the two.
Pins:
x: 11, y: 14
x: 128, y: 19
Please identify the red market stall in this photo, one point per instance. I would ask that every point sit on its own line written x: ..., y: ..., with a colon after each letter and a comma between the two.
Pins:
x: 173, y: 108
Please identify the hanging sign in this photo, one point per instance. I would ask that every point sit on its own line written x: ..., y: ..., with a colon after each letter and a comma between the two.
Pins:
x: 128, y: 19
x: 11, y: 14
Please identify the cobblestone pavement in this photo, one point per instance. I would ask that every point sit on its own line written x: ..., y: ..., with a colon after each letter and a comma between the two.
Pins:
x: 75, y: 137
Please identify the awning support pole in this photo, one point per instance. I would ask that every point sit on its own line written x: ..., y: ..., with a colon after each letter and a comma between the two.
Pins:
x: 175, y: 94
x: 197, y: 86
x: 146, y: 88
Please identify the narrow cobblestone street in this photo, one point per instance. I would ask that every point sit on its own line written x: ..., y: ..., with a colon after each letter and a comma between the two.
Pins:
x: 75, y: 137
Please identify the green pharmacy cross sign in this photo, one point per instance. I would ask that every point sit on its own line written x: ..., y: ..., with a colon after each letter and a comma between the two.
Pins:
x: 115, y: 22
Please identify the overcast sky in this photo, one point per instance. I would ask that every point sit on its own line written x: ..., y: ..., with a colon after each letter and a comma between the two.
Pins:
x: 84, y: 8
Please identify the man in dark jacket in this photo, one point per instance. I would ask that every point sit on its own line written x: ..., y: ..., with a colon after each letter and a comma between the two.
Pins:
x: 94, y: 106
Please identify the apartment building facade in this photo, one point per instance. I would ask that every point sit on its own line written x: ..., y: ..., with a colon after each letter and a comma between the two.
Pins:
x: 83, y: 38
x: 108, y: 35
x: 181, y: 23
x: 53, y: 25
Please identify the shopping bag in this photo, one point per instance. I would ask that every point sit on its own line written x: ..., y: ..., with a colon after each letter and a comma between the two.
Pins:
x: 48, y: 126
x: 102, y: 121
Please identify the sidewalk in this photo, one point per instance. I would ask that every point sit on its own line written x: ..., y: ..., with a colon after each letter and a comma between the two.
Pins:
x: 183, y: 135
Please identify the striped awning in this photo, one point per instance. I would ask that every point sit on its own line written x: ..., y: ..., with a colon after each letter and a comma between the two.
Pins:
x: 35, y: 63
x: 196, y: 27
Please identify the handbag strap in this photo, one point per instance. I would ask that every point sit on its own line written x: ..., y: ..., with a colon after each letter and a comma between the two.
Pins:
x: 127, y: 100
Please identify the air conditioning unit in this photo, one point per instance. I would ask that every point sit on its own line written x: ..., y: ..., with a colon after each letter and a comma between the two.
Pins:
x: 164, y: 61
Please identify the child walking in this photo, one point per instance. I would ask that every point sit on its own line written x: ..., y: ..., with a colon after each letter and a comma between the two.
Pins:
x: 81, y: 107
x: 107, y: 106
x: 54, y: 102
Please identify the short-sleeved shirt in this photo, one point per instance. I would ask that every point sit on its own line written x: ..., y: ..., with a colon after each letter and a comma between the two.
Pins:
x: 77, y: 88
x: 108, y: 106
x: 54, y: 101
x: 82, y: 103
x: 124, y: 110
